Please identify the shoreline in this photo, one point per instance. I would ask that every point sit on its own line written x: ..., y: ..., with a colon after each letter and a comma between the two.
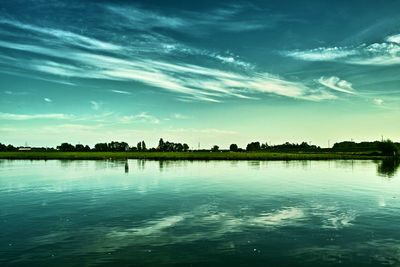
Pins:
x: 40, y: 155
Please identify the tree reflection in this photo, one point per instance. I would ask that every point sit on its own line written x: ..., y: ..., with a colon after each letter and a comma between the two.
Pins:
x: 141, y: 163
x: 126, y: 167
x: 388, y: 167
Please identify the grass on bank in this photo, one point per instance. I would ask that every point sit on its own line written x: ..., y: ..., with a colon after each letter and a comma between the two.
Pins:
x: 189, y: 155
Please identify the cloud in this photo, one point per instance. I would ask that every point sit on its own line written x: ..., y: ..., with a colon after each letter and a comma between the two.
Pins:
x: 19, y: 117
x: 33, y: 48
x: 72, y: 127
x: 384, y: 54
x: 209, y: 81
x: 95, y: 105
x: 63, y: 36
x: 394, y: 39
x: 322, y: 54
x: 24, y: 74
x: 227, y: 19
x: 148, y: 19
x: 179, y: 116
x: 142, y: 117
x: 233, y: 61
x: 47, y: 99
x: 202, y: 83
x: 378, y: 101
x: 121, y: 92
x: 337, y: 84
x: 204, y: 131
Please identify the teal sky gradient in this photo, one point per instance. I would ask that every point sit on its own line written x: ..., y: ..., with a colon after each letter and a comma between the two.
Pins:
x: 210, y: 73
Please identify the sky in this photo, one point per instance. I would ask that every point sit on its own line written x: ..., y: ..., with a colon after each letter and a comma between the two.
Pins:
x: 199, y: 72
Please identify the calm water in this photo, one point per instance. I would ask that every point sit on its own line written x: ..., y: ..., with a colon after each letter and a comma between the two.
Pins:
x: 221, y: 213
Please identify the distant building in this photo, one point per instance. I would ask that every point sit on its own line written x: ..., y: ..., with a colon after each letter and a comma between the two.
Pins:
x: 24, y: 149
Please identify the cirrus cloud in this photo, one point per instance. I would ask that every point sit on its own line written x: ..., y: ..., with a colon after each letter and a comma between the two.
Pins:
x: 384, y: 54
x: 335, y: 83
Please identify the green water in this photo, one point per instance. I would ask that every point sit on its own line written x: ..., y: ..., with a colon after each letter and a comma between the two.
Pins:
x: 215, y: 213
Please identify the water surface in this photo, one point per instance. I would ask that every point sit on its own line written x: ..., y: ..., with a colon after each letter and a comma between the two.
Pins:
x: 221, y: 213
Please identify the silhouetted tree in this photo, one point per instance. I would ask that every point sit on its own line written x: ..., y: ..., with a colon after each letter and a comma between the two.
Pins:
x: 143, y: 146
x: 264, y: 146
x: 79, y: 148
x: 185, y: 147
x: 11, y: 148
x: 66, y: 147
x: 160, y: 145
x: 179, y: 147
x: 304, y: 145
x: 254, y: 146
x: 233, y: 147
x: 353, y: 146
x: 139, y: 146
x: 171, y: 147
x: 101, y: 147
x: 3, y: 147
x: 388, y: 148
x: 215, y: 148
x: 118, y: 146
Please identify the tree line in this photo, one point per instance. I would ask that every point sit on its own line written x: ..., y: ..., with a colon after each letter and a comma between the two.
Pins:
x: 386, y: 147
x: 124, y: 147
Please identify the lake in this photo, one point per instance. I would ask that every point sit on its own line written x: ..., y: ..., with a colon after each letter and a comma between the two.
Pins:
x: 199, y: 213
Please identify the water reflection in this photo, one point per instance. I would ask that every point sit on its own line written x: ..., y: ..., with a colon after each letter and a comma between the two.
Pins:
x: 388, y: 167
x: 141, y: 164
x: 126, y: 167
x: 232, y: 211
x: 254, y: 164
x: 65, y: 163
x: 167, y: 164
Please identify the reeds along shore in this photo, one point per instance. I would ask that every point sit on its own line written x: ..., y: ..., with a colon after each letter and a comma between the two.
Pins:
x: 190, y: 155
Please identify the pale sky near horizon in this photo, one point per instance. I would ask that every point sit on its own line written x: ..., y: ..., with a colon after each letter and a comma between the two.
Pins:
x: 213, y: 72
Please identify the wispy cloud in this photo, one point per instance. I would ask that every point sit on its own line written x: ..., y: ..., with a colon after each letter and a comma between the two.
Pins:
x: 179, y: 116
x: 142, y: 117
x: 63, y: 36
x: 95, y: 105
x: 378, y: 101
x: 337, y: 84
x: 72, y: 127
x: 231, y: 59
x: 47, y: 100
x: 22, y: 73
x: 143, y: 18
x: 203, y: 131
x: 121, y: 92
x: 202, y: 83
x: 13, y: 93
x: 20, y: 117
x: 220, y: 19
x: 385, y: 53
x: 322, y: 54
x: 212, y: 79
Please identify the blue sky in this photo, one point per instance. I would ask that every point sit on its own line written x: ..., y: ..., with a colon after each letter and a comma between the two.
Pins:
x: 214, y: 72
